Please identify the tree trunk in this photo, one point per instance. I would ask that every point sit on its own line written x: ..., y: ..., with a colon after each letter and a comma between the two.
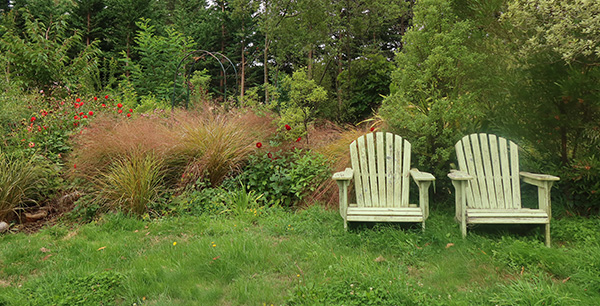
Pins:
x: 222, y: 81
x: 243, y: 72
x: 266, y: 71
x: 310, y: 63
x: 87, y: 38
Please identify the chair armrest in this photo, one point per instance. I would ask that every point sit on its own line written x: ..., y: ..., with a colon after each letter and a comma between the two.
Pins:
x: 540, y: 180
x: 456, y: 175
x: 419, y: 176
x: 345, y: 175
x: 539, y: 177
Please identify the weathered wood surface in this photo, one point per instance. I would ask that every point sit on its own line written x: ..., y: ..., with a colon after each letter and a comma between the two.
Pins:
x: 380, y: 172
x: 487, y: 184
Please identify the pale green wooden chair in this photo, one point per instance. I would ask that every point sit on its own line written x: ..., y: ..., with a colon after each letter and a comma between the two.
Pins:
x: 381, y: 169
x: 488, y: 189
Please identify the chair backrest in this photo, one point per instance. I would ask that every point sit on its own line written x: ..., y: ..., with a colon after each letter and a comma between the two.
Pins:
x: 381, y: 164
x: 494, y: 163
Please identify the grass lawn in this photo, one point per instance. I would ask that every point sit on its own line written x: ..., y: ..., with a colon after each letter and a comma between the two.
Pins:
x: 298, y: 258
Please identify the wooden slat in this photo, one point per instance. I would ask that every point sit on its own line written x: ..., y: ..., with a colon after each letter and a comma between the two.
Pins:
x: 364, y: 171
x: 479, y: 172
x: 484, y: 145
x: 389, y: 169
x: 462, y: 166
x: 472, y: 189
x: 397, y: 171
x: 405, y: 172
x: 514, y: 175
x: 508, y: 220
x: 491, y: 213
x: 372, y: 166
x: 381, y: 170
x: 505, y: 173
x: 499, y: 189
x: 358, y: 187
x: 407, y: 211
x: 385, y: 218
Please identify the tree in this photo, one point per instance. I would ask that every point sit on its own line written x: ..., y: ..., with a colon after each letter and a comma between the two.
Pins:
x: 304, y: 99
x: 434, y: 97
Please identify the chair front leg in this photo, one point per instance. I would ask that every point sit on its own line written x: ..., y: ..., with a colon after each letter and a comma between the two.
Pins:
x: 460, y: 188
x: 343, y: 193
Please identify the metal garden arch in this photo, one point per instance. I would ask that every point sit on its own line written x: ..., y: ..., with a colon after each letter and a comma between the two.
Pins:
x: 187, y: 75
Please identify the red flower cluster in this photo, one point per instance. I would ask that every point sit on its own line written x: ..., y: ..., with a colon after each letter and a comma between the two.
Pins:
x: 287, y: 127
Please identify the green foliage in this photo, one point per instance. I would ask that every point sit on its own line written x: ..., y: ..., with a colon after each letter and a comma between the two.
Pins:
x: 41, y: 57
x: 131, y: 185
x: 158, y: 59
x: 200, y: 83
x: 284, y: 178
x: 364, y: 94
x: 211, y: 201
x: 305, y: 96
x: 432, y: 102
x: 554, y: 105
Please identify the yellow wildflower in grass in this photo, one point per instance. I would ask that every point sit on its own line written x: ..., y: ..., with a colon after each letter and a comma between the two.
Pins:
x: 174, y: 243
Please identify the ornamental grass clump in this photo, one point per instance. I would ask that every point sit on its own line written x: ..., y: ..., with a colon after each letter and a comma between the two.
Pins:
x: 131, y: 185
x: 19, y: 181
x: 112, y: 139
x: 218, y: 143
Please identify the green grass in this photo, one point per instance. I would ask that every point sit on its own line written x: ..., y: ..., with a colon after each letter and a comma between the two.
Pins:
x: 302, y: 258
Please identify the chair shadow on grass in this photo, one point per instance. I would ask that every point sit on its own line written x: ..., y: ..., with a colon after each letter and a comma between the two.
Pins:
x: 410, y: 227
x: 498, y: 231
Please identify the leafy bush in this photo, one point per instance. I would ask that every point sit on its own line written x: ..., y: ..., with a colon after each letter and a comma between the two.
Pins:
x: 41, y: 57
x: 433, y: 100
x: 158, y: 58
x: 285, y: 178
x: 196, y: 202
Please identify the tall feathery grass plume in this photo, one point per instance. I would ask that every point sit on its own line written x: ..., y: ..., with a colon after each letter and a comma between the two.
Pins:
x: 111, y: 139
x: 217, y: 143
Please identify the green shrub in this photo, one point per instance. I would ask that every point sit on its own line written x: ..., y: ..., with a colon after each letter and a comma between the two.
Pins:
x: 285, y: 178
x: 212, y: 201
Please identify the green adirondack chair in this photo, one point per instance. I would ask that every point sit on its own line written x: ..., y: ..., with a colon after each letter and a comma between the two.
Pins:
x: 381, y: 170
x: 488, y: 189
